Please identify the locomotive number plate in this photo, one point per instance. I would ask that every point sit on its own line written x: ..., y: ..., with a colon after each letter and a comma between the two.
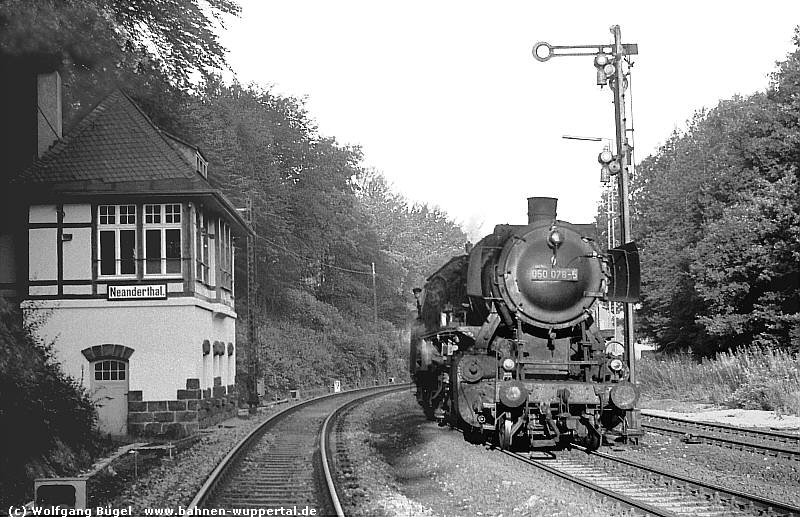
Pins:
x: 556, y: 273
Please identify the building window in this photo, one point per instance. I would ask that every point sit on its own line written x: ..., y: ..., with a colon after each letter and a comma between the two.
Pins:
x: 117, y: 239
x: 152, y: 214
x: 226, y: 255
x: 162, y: 240
x: 109, y: 370
x: 201, y: 247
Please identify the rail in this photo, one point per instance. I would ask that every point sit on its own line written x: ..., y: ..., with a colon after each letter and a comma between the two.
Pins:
x: 777, y: 443
x: 225, y: 468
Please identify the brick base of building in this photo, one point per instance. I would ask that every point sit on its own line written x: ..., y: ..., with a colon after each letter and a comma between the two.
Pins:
x: 193, y: 410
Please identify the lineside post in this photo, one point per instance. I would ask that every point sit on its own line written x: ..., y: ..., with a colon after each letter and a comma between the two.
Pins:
x: 623, y: 153
x: 252, y: 352
x: 609, y: 60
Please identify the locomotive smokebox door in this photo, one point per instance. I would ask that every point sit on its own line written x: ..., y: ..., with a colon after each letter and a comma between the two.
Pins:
x: 625, y: 274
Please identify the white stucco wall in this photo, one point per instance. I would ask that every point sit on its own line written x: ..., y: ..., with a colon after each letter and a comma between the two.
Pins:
x: 43, y: 265
x: 78, y: 254
x: 166, y: 336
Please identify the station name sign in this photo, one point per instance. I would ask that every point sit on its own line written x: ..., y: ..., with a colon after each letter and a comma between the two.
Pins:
x: 137, y: 292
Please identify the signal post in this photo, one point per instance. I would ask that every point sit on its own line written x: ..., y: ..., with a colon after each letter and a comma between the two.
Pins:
x: 609, y: 61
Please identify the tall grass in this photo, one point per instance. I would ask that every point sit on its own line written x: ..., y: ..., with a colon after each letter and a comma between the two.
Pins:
x: 752, y: 378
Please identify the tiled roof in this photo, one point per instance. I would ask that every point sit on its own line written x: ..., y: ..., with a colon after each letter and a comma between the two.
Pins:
x: 115, y: 144
x: 117, y: 150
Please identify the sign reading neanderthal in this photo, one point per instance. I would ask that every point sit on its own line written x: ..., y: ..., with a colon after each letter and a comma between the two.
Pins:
x: 137, y: 292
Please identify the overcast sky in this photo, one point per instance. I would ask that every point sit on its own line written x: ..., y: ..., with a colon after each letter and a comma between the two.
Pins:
x: 448, y: 103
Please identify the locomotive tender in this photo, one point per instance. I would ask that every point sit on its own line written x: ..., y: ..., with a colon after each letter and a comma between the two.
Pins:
x: 506, y: 347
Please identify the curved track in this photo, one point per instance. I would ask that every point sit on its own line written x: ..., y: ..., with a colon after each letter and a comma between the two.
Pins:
x: 655, y: 491
x: 771, y: 443
x: 283, y: 462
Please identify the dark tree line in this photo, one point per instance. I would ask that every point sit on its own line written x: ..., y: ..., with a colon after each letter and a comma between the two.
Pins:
x: 321, y: 222
x: 717, y: 215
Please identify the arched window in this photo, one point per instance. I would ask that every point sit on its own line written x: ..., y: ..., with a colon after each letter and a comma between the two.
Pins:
x: 110, y: 370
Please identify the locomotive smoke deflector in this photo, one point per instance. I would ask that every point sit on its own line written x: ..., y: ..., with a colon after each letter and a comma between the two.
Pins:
x: 625, y: 274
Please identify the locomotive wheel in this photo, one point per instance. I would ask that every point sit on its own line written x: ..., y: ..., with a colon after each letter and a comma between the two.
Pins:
x: 504, y: 433
x: 472, y: 436
x: 593, y: 440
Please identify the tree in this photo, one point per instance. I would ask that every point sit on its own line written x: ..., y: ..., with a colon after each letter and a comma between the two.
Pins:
x: 715, y: 213
x: 152, y: 47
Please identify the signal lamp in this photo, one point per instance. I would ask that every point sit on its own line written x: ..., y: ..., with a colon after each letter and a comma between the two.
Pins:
x: 601, y: 60
x: 609, y: 162
x: 555, y: 239
x: 604, y: 64
x: 615, y: 364
x: 605, y: 157
x: 508, y: 364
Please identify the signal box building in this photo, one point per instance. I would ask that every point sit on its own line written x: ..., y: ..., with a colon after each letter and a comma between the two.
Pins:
x: 123, y: 257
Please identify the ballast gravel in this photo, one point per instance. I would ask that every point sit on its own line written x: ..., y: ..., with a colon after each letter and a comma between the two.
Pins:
x: 173, y: 483
x: 404, y: 465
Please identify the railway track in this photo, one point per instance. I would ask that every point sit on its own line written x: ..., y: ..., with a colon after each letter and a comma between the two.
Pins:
x: 654, y: 491
x: 770, y: 443
x: 283, y: 463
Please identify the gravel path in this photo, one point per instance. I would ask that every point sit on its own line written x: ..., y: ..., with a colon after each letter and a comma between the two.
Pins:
x: 407, y: 466
x: 714, y: 414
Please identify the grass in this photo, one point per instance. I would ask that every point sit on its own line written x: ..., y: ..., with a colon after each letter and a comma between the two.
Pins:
x: 752, y: 378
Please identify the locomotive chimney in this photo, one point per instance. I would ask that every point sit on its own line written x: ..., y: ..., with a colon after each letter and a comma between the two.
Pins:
x: 541, y: 209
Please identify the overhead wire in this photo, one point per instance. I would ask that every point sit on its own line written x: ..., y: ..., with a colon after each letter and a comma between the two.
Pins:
x: 632, y: 163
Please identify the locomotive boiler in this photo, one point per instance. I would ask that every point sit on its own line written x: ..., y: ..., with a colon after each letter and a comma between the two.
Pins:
x: 506, y: 345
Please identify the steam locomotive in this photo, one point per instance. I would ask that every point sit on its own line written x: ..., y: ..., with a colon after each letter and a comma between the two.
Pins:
x: 506, y: 346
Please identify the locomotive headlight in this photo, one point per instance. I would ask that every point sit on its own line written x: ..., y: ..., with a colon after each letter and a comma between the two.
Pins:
x: 513, y: 393
x: 616, y: 365
x: 508, y: 364
x: 555, y: 239
x: 624, y: 395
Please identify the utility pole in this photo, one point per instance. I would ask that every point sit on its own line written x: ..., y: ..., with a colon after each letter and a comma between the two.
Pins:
x: 609, y: 61
x: 252, y: 363
x: 374, y: 297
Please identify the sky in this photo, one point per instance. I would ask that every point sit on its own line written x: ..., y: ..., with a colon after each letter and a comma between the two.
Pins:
x: 446, y: 101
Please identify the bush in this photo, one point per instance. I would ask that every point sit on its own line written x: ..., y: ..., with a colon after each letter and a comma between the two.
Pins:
x: 750, y: 378
x: 309, y: 342
x: 46, y: 417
